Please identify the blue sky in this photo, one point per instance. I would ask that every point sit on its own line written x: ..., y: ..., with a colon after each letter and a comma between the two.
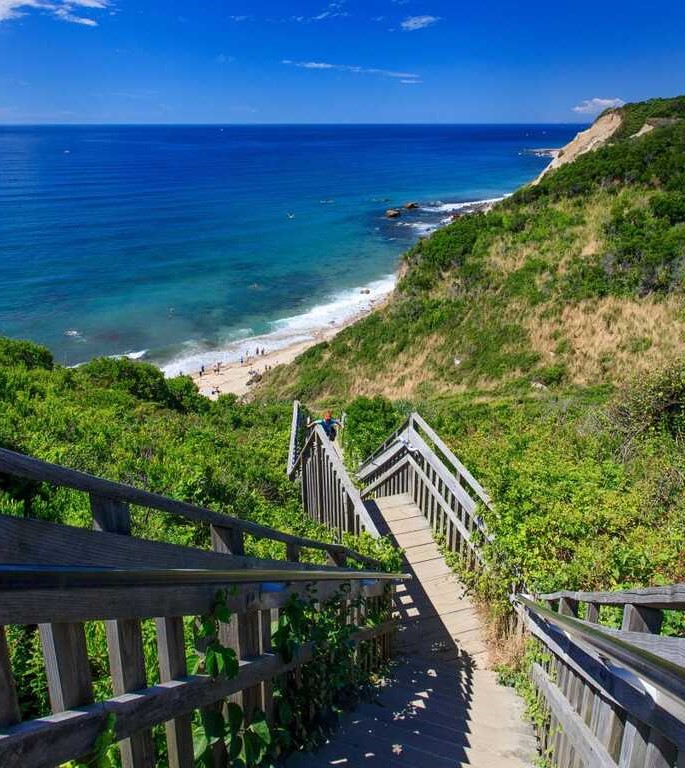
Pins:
x: 358, y: 61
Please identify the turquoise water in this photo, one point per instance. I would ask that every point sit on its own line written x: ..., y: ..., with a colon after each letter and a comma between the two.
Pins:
x: 180, y: 244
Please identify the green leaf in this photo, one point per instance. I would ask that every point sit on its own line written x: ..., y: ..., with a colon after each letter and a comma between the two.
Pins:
x: 223, y: 613
x: 214, y: 725
x: 254, y: 748
x: 285, y: 712
x: 260, y: 727
x: 234, y: 716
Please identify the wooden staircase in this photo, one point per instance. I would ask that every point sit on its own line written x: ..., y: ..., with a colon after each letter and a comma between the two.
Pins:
x: 441, y: 706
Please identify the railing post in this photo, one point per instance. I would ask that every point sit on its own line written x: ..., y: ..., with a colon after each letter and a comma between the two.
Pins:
x: 638, y: 741
x: 66, y: 665
x: 124, y: 639
x: 9, y: 707
x: 639, y: 619
x: 172, y: 666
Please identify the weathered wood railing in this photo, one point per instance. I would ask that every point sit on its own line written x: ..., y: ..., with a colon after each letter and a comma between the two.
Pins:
x: 610, y: 697
x: 328, y: 494
x: 58, y: 577
x: 415, y: 461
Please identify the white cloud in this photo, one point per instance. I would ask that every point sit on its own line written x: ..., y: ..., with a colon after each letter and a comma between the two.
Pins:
x: 354, y: 68
x: 412, y: 23
x: 413, y: 81
x: 66, y: 10
x: 595, y: 106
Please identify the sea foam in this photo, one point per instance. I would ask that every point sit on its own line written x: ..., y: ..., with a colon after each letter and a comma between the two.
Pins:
x: 286, y: 331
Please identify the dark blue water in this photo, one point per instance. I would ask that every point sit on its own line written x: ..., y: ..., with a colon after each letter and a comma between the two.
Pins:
x: 182, y: 241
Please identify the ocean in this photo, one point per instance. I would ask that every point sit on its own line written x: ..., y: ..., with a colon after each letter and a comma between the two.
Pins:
x: 182, y: 244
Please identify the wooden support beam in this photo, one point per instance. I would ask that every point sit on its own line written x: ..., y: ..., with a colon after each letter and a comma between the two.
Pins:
x: 66, y: 665
x: 172, y: 666
x: 637, y: 618
x: 9, y: 706
x: 127, y: 667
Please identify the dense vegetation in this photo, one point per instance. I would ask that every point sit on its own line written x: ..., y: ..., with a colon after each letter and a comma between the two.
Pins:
x: 125, y: 421
x: 544, y: 341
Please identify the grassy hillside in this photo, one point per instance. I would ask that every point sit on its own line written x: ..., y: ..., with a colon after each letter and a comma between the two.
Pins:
x: 578, y: 280
x: 544, y: 340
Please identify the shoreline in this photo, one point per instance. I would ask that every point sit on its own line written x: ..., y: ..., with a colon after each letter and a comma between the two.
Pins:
x: 240, y: 378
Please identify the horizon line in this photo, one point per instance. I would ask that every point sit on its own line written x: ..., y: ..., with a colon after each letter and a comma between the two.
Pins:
x: 272, y: 125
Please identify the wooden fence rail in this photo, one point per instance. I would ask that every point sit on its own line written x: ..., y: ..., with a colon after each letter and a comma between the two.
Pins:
x: 328, y: 494
x: 59, y: 578
x: 609, y: 698
x: 446, y: 493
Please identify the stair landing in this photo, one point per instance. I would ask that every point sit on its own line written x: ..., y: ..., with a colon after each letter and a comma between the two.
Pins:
x: 441, y: 706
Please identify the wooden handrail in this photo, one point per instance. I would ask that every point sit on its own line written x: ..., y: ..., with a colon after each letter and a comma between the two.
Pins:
x: 316, y: 457
x: 662, y: 673
x: 27, y: 467
x: 661, y: 598
x: 14, y: 577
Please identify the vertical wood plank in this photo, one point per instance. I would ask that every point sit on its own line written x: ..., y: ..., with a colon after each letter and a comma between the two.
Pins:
x: 634, y: 744
x: 592, y: 613
x: 609, y: 727
x: 9, y: 706
x: 66, y: 665
x: 568, y: 607
x: 110, y: 515
x: 267, y: 685
x: 228, y: 541
x: 661, y: 753
x: 127, y: 666
x: 292, y: 552
x: 124, y: 639
x: 249, y: 643
x: 172, y: 665
x: 639, y: 619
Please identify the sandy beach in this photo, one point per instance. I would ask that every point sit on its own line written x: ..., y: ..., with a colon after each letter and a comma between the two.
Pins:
x: 238, y: 379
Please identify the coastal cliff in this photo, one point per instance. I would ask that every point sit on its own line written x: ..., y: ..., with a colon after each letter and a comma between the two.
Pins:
x: 576, y: 279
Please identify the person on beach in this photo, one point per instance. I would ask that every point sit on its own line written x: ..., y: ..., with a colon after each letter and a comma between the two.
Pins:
x: 329, y: 425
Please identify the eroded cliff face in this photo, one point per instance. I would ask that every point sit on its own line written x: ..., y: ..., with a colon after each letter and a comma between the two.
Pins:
x: 586, y: 141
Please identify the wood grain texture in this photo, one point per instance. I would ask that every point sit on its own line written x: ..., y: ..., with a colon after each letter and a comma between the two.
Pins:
x: 75, y: 732
x: 9, y: 707
x: 127, y: 669
x: 66, y: 665
x: 584, y: 742
x: 172, y: 666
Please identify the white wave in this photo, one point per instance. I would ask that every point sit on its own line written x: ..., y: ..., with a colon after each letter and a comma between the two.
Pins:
x: 136, y: 355
x: 285, y: 331
x: 422, y: 227
x: 440, y: 207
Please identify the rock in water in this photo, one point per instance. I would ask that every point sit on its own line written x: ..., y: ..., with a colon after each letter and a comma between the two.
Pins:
x: 393, y: 213
x: 411, y: 206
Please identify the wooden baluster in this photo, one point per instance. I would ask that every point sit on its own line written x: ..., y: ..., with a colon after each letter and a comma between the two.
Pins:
x: 265, y: 647
x: 637, y: 741
x: 227, y: 541
x: 249, y: 636
x: 127, y: 667
x: 592, y: 613
x: 304, y: 485
x: 639, y: 619
x: 9, y: 706
x: 661, y: 753
x: 172, y: 666
x: 568, y: 606
x: 124, y: 639
x: 66, y: 665
x: 292, y: 552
